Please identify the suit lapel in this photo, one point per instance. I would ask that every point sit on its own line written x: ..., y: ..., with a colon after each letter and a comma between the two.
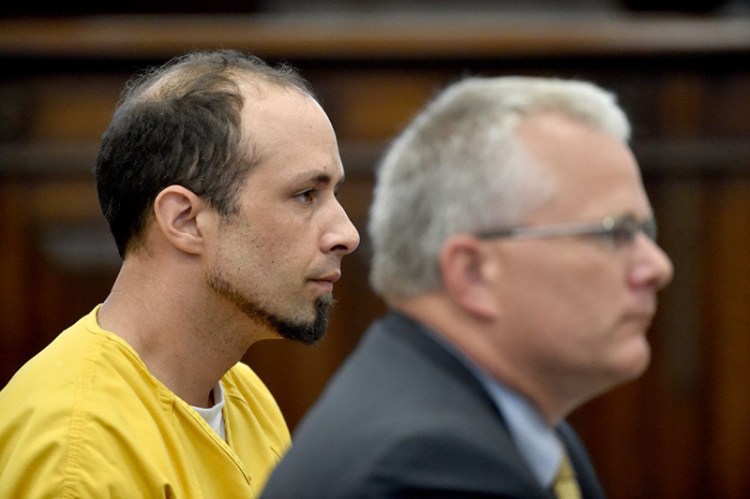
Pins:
x: 440, y: 361
x: 587, y: 479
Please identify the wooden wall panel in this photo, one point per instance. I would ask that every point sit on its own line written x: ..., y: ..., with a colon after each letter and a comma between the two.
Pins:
x: 679, y: 431
x: 728, y: 324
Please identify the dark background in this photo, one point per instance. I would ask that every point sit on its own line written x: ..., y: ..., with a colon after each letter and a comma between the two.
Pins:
x: 684, y: 77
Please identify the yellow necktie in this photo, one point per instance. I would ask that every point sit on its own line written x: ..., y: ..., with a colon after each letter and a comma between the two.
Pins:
x: 566, y: 486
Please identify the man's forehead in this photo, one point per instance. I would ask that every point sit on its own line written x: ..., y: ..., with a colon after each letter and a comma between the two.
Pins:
x: 258, y: 88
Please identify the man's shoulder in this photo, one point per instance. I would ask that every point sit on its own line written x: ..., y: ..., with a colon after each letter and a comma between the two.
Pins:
x: 398, y: 368
x: 84, y: 376
x: 52, y: 371
x: 400, y: 407
x: 388, y: 455
x: 57, y: 429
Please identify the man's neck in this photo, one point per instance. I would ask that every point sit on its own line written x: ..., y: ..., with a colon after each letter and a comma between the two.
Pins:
x: 180, y: 344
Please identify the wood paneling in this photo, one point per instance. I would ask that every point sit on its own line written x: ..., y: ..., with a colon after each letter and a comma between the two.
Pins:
x: 679, y: 431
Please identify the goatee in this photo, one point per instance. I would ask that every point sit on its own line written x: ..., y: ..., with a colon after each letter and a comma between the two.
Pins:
x: 308, y: 333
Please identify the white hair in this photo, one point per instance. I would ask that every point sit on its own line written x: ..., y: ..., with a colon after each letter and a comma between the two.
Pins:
x: 459, y: 167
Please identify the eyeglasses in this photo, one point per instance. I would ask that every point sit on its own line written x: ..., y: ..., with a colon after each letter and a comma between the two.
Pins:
x: 619, y: 231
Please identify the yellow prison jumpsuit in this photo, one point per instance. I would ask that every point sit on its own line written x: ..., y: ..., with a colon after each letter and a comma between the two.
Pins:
x: 85, y: 419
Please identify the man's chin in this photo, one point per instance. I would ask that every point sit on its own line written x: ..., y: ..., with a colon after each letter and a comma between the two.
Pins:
x: 634, y: 360
x: 307, y: 333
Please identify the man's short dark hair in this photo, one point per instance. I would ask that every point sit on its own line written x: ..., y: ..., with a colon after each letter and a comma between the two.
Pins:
x: 179, y: 124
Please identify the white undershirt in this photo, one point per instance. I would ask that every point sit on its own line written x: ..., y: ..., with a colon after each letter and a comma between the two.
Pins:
x: 213, y: 415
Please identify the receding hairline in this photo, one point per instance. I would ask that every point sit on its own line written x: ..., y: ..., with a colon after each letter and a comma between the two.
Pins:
x: 237, y: 79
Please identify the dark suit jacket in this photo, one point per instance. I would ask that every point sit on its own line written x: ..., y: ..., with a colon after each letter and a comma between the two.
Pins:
x: 404, y: 418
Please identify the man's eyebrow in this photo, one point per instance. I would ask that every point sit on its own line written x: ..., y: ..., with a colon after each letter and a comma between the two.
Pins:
x: 318, y: 177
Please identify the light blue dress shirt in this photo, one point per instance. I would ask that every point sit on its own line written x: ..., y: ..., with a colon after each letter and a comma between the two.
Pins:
x: 536, y: 440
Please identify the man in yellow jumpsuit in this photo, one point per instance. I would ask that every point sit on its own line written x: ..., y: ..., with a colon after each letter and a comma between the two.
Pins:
x: 218, y: 177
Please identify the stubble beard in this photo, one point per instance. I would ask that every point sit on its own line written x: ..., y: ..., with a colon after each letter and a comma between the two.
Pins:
x: 307, y: 333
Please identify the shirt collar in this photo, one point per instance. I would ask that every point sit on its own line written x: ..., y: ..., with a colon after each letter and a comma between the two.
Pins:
x: 536, y: 440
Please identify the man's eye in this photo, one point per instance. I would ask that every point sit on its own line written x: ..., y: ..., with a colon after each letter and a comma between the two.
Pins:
x: 305, y: 196
x: 624, y: 232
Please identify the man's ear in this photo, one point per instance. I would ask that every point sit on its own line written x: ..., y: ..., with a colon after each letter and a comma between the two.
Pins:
x: 176, y: 211
x: 464, y: 267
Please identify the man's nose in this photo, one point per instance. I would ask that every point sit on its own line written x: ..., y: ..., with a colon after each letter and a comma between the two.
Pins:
x: 655, y: 267
x: 343, y: 236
